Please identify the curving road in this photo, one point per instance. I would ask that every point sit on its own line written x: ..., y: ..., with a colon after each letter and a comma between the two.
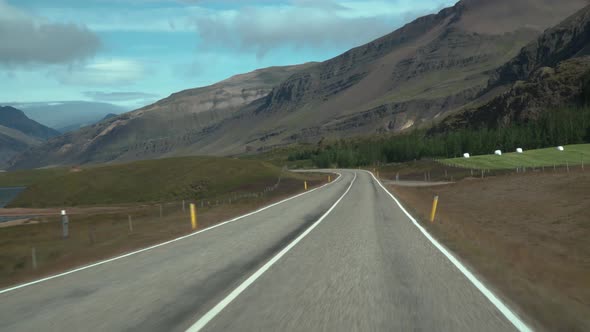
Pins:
x: 344, y: 257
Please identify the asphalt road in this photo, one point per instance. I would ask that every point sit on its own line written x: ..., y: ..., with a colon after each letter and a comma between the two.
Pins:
x: 307, y: 264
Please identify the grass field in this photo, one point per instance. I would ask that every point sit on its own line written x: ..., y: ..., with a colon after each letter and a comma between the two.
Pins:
x: 117, y: 208
x: 573, y: 155
x: 102, y: 232
x: 28, y: 177
x: 144, y: 181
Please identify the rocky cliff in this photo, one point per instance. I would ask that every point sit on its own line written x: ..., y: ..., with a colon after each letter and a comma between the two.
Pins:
x: 163, y: 128
x: 552, y: 71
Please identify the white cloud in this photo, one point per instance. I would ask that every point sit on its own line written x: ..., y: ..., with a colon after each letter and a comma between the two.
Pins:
x: 27, y: 39
x: 119, y: 96
x: 306, y: 23
x: 105, y: 19
x: 104, y: 72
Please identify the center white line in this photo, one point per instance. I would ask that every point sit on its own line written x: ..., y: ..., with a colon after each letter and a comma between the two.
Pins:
x: 242, y: 287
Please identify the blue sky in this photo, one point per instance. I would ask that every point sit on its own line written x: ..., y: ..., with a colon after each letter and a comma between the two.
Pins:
x: 133, y: 52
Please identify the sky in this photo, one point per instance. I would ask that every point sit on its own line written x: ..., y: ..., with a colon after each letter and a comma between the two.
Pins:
x: 133, y: 52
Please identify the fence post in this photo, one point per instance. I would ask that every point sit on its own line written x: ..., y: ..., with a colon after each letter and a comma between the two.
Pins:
x: 34, y: 257
x: 130, y: 224
x: 91, y: 235
x: 434, y: 205
x: 65, y: 224
x: 193, y: 216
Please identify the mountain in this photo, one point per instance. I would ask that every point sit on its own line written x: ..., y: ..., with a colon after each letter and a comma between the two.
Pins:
x: 13, y: 118
x: 109, y: 116
x: 418, y: 74
x: 18, y: 133
x: 163, y: 128
x: 425, y: 70
x: 79, y: 126
x: 550, y: 72
x: 68, y: 115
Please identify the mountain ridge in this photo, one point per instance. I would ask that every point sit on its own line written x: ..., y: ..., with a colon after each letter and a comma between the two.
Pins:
x: 18, y: 133
x: 417, y: 74
x: 550, y: 72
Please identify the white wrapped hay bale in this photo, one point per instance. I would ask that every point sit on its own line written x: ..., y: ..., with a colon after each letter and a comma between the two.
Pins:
x: 498, y: 152
x: 519, y: 150
x: 466, y: 155
x: 560, y: 148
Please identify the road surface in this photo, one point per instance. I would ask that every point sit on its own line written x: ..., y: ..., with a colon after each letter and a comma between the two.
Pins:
x: 344, y: 257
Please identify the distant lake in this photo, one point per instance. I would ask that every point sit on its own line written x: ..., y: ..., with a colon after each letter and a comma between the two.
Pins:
x: 7, y: 194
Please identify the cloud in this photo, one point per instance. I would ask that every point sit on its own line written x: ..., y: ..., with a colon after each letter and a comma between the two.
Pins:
x: 119, y: 96
x: 103, y: 72
x: 306, y: 23
x: 25, y: 39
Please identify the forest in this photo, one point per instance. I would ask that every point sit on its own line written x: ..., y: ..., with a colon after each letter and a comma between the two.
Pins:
x: 559, y: 127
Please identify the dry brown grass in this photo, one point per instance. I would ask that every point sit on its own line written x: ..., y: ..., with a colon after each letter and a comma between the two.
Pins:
x: 527, y: 235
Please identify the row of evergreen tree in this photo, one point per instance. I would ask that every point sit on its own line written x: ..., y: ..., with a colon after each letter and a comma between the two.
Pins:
x: 559, y: 127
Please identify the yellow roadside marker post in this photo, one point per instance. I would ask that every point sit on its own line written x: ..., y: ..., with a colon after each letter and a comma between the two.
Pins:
x: 305, y: 185
x: 193, y: 216
x: 434, y: 205
x: 329, y: 178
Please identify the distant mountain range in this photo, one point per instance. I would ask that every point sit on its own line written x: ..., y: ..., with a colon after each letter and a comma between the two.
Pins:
x: 66, y: 116
x: 163, y: 128
x: 464, y: 66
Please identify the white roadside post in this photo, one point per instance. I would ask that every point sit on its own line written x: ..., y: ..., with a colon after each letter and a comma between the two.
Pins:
x: 64, y: 224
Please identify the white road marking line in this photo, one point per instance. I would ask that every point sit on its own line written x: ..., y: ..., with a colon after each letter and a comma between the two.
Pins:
x: 163, y: 243
x: 202, y: 322
x: 509, y: 314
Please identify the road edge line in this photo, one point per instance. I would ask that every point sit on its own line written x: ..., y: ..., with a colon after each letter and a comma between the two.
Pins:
x: 213, y: 312
x: 85, y: 267
x: 511, y: 316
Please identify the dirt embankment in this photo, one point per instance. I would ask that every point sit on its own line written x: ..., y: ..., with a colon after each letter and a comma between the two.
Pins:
x: 526, y: 234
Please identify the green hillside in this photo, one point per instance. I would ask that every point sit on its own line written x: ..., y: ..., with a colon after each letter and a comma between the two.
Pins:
x: 143, y: 181
x: 573, y: 155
